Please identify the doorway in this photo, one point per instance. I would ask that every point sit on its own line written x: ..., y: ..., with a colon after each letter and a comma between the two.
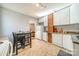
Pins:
x: 32, y: 29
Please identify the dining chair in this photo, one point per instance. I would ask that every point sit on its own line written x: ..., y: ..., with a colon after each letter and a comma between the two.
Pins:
x: 18, y: 42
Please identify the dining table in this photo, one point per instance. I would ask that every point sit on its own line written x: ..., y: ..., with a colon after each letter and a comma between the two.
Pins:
x: 27, y: 36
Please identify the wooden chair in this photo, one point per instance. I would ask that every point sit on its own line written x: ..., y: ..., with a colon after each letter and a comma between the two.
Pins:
x: 19, y: 40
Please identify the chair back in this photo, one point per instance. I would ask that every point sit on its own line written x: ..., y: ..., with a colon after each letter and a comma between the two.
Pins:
x: 14, y: 36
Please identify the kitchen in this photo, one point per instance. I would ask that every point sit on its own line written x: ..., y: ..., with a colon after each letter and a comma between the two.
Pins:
x: 64, y: 26
x: 54, y: 25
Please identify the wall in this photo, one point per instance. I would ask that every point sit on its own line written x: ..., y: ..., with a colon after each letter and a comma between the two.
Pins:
x: 0, y: 22
x: 73, y: 27
x: 13, y: 21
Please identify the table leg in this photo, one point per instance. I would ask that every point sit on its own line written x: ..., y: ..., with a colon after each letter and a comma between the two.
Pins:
x: 30, y: 40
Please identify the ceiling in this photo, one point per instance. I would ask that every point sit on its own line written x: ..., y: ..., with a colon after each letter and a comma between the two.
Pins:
x: 32, y: 10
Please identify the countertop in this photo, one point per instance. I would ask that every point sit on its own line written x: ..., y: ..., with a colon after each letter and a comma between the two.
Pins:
x: 75, y: 39
x: 72, y: 33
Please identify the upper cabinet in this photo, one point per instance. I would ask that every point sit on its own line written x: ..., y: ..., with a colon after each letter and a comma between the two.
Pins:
x: 74, y: 13
x: 44, y: 20
x: 62, y: 16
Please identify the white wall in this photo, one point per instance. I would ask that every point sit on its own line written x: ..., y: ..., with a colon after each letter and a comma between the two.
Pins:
x: 12, y: 21
x: 0, y: 21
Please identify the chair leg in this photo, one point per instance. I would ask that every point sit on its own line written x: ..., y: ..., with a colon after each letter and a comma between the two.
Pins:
x: 16, y: 49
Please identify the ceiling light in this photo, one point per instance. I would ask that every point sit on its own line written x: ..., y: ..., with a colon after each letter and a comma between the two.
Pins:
x: 40, y: 5
x: 37, y: 4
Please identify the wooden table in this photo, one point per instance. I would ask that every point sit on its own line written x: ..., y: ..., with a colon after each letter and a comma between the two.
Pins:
x: 24, y: 34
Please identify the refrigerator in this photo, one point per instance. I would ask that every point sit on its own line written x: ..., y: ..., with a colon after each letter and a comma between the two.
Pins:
x: 39, y: 32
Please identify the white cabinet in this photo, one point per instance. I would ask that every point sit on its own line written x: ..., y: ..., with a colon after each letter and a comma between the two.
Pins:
x: 67, y: 42
x: 57, y: 39
x: 45, y: 20
x: 45, y: 36
x: 41, y: 20
x: 74, y: 14
x: 62, y: 17
x: 63, y: 40
x: 39, y: 32
x: 38, y: 35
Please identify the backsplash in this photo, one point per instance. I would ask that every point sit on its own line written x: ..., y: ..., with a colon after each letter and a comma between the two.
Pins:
x: 69, y: 27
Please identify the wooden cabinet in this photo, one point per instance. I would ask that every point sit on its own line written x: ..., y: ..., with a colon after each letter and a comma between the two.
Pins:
x: 49, y: 37
x: 33, y: 34
x: 67, y: 42
x: 50, y: 23
x: 74, y: 14
x: 57, y: 39
x: 62, y: 17
x: 50, y: 27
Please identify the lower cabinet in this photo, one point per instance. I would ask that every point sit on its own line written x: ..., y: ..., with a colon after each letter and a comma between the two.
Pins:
x: 57, y: 39
x: 63, y: 40
x: 67, y: 42
x: 45, y: 36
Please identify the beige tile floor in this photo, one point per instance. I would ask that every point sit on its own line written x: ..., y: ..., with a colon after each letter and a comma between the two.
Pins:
x: 39, y: 48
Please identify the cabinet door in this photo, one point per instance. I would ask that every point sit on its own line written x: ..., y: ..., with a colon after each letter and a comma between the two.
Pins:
x: 67, y: 42
x: 46, y: 21
x: 74, y: 16
x: 62, y: 17
x: 57, y: 39
x: 41, y: 20
x: 45, y: 36
x: 36, y: 35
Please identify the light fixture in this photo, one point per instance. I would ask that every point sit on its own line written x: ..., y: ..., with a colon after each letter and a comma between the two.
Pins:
x: 37, y: 4
x: 40, y: 5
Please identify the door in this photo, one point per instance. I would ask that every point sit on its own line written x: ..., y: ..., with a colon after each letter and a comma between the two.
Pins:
x: 32, y: 29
